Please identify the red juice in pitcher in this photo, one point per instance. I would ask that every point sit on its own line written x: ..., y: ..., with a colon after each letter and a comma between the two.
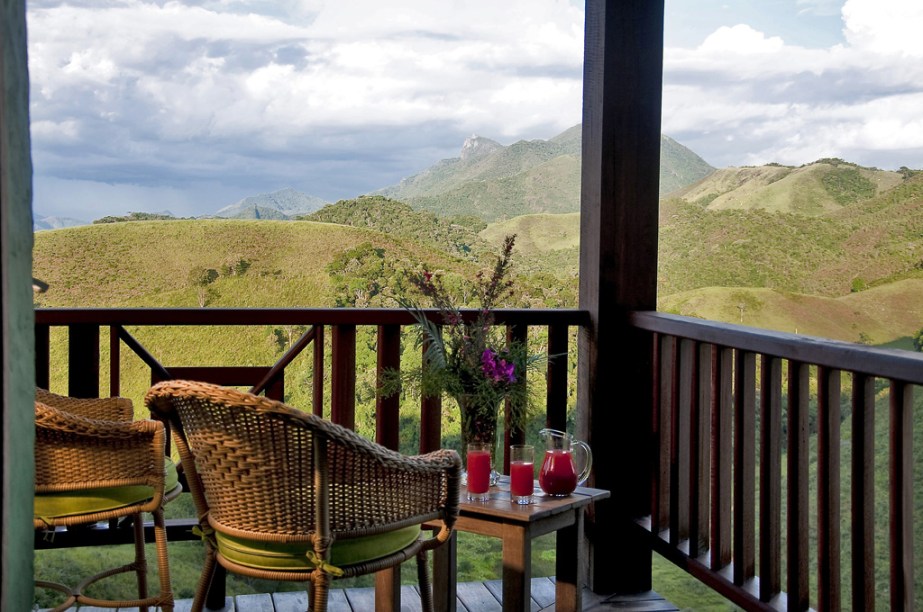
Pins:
x: 558, y: 475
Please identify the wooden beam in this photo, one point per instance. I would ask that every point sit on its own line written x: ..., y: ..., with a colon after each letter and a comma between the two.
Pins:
x: 623, y: 73
x: 17, y: 335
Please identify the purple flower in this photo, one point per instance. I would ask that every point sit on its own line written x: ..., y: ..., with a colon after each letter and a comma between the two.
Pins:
x: 497, y: 370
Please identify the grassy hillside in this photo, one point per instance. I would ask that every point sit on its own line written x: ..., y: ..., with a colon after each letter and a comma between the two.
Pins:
x: 814, y: 189
x: 875, y: 241
x: 884, y: 314
x: 679, y: 166
x: 552, y: 186
x: 149, y: 263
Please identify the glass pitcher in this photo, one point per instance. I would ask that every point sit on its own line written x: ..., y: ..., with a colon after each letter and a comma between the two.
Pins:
x: 566, y: 464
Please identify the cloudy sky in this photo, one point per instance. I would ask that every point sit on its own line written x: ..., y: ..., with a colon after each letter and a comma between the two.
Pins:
x: 191, y: 105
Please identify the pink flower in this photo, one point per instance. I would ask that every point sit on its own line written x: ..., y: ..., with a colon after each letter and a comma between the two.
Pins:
x: 497, y: 370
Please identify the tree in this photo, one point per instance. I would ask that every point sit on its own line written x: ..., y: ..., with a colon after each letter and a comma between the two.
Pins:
x: 201, y: 278
x: 918, y: 341
x: 364, y: 276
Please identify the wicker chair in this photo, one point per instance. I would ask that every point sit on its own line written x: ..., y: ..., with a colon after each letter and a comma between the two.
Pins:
x: 286, y: 495
x: 93, y: 463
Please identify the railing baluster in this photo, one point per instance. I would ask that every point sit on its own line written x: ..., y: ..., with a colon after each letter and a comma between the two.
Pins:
x: 744, y: 467
x: 317, y: 391
x: 388, y: 409
x: 682, y: 433
x: 770, y: 477
x: 83, y: 360
x: 115, y: 365
x: 700, y: 450
x: 722, y: 459
x: 43, y: 356
x: 863, y: 492
x: 828, y: 489
x: 663, y: 429
x: 901, y: 496
x: 343, y: 376
x: 798, y: 584
x: 430, y: 419
x: 556, y: 402
x: 514, y: 333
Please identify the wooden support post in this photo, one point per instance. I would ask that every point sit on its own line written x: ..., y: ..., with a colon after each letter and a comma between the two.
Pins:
x: 623, y: 72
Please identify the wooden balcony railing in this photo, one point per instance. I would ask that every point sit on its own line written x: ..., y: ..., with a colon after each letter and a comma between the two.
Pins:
x: 84, y: 362
x: 750, y: 428
x: 728, y: 400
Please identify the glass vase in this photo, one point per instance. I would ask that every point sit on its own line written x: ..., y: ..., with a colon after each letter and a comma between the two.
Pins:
x: 479, y: 419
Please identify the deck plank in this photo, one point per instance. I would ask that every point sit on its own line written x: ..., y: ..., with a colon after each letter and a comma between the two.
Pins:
x: 476, y: 597
x: 260, y: 602
x: 496, y: 589
x: 472, y: 597
x: 297, y: 601
x: 364, y: 599
x: 543, y: 592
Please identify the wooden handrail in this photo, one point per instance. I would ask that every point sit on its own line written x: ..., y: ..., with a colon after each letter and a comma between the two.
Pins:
x: 719, y: 386
x: 727, y: 402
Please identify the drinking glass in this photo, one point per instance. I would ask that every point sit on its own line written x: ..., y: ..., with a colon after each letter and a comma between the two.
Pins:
x: 478, y: 471
x: 522, y: 473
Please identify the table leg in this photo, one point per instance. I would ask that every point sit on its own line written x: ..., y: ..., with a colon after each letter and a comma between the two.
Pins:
x: 517, y: 568
x: 388, y: 589
x: 445, y: 575
x: 569, y: 571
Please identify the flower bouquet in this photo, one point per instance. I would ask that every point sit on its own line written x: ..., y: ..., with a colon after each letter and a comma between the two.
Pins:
x: 467, y: 357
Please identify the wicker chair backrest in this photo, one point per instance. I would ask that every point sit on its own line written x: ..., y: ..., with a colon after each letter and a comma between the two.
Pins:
x: 255, y: 461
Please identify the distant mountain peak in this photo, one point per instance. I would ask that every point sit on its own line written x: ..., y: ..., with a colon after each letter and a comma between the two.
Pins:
x: 280, y: 204
x: 478, y: 146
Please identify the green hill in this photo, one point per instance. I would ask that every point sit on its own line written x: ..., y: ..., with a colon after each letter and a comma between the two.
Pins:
x: 856, y: 252
x: 870, y: 242
x: 876, y: 316
x: 814, y: 189
x: 535, y: 176
x: 456, y: 235
x: 258, y: 263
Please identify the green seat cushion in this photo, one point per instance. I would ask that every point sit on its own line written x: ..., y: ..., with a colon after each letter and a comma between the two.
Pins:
x: 292, y: 556
x: 87, y: 501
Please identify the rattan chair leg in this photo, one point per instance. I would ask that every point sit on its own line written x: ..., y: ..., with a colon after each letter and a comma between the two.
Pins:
x: 137, y: 525
x: 163, y: 565
x: 426, y: 591
x: 321, y: 586
x: 205, y: 580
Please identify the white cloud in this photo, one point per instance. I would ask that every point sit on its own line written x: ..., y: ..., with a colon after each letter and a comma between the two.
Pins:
x: 741, y: 39
x: 340, y: 97
x: 885, y: 27
x: 144, y: 82
x: 743, y: 97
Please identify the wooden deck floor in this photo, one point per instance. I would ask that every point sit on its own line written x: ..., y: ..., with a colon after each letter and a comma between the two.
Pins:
x: 472, y: 597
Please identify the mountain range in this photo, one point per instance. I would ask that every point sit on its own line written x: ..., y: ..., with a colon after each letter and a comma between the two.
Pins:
x: 498, y: 182
x: 282, y: 204
x: 487, y: 179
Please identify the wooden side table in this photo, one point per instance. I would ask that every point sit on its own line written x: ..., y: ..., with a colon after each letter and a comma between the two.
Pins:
x: 516, y: 526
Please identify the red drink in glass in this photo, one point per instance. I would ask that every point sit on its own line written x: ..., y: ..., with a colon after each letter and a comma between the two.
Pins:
x: 522, y: 474
x: 521, y: 477
x: 478, y: 473
x: 558, y: 475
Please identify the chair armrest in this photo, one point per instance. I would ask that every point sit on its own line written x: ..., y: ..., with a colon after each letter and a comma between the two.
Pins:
x: 73, y: 452
x: 370, y: 483
x: 105, y: 408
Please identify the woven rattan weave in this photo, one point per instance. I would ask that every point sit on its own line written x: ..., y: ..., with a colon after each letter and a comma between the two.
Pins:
x: 93, y: 445
x: 261, y: 470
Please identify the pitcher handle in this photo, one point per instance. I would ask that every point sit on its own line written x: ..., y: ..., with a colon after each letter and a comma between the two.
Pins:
x: 582, y: 448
